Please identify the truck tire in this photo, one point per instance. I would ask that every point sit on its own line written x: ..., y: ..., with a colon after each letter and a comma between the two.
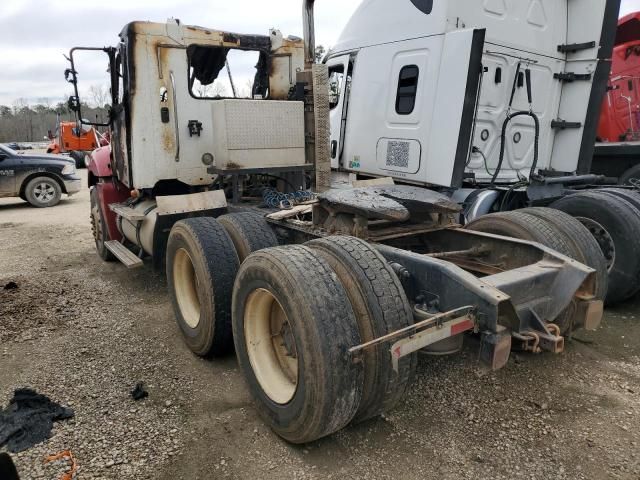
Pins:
x: 615, y: 224
x: 43, y: 192
x: 630, y: 177
x: 526, y: 226
x: 630, y: 196
x: 201, y: 267
x: 523, y: 226
x: 292, y: 327
x: 249, y: 232
x: 587, y: 249
x: 98, y: 228
x: 78, y: 157
x: 381, y: 307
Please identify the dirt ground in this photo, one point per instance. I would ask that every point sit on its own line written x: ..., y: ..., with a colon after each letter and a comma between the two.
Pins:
x: 84, y: 332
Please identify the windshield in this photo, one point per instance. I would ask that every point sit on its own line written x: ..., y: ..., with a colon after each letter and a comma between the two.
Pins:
x: 7, y: 150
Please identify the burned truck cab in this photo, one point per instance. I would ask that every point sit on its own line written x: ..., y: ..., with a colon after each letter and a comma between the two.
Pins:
x: 179, y: 98
x: 191, y: 108
x: 178, y: 94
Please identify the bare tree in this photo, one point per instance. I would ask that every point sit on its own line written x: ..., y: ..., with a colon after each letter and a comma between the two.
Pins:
x: 246, y: 89
x: 23, y: 122
x: 20, y: 104
x: 99, y: 95
x: 215, y: 89
x: 320, y: 51
x: 46, y: 101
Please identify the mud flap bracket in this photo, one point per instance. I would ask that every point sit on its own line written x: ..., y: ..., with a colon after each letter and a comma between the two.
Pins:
x: 422, y: 339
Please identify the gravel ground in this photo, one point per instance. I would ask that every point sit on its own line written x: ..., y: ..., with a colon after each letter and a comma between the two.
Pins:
x: 84, y: 332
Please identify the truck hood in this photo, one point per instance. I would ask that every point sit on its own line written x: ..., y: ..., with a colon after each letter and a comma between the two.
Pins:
x: 45, y: 157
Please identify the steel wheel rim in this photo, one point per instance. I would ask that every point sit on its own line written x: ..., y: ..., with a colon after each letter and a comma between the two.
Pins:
x: 271, y: 346
x: 185, y: 283
x: 44, y: 192
x: 604, y: 239
x: 97, y: 226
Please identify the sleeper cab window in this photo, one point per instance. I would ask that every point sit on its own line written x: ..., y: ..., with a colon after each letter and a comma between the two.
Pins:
x: 407, y: 89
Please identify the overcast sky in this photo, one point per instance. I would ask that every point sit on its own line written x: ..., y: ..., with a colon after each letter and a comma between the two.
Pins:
x: 35, y: 33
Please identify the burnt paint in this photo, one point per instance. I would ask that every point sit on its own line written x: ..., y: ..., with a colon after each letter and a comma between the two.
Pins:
x: 255, y: 43
x: 121, y: 113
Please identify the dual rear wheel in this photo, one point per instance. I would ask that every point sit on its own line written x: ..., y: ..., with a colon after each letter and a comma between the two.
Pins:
x: 612, y: 216
x: 294, y: 313
x: 599, y: 228
x: 558, y: 231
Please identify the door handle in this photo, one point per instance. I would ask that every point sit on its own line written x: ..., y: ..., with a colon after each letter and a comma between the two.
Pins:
x: 334, y: 148
x: 175, y: 114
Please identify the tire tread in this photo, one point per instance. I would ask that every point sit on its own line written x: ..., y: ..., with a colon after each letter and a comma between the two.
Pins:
x: 388, y: 310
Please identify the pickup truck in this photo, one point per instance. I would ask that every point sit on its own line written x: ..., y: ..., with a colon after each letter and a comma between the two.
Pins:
x: 39, y: 179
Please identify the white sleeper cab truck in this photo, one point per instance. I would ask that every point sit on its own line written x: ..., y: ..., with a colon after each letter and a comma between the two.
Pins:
x: 325, y: 295
x: 494, y: 104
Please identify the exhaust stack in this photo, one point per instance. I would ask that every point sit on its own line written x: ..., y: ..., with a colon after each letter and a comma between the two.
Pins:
x: 308, y: 26
x: 316, y: 79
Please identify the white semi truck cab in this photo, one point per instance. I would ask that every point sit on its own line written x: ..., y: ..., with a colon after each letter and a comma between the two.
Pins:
x: 494, y: 103
x: 441, y: 92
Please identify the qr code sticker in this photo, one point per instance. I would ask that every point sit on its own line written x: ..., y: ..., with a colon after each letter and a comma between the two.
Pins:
x: 398, y: 154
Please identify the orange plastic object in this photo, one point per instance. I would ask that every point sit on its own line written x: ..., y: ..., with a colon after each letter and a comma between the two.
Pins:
x: 65, y: 453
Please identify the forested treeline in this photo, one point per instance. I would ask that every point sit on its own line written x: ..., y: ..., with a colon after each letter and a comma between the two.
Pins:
x: 31, y: 123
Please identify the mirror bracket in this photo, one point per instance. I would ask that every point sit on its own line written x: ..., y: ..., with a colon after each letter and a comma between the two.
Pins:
x: 74, y: 103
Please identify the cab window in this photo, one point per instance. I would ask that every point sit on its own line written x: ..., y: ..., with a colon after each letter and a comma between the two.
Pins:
x: 407, y: 89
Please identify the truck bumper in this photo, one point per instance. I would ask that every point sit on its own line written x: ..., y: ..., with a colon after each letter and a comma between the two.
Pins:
x: 72, y: 185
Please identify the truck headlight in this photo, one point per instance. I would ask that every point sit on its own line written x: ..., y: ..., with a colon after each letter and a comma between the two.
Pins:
x: 69, y: 169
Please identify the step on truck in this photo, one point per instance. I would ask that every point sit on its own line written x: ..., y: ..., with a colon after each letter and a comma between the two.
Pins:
x: 326, y: 294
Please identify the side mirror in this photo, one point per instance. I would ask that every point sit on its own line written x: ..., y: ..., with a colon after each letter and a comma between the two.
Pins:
x: 73, y: 103
x: 70, y: 75
x: 3, y: 156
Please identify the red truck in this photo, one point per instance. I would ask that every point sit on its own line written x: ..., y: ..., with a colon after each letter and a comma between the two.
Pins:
x: 617, y: 153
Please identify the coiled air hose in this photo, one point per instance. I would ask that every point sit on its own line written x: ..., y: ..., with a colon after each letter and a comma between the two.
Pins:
x: 511, y: 116
x: 272, y: 198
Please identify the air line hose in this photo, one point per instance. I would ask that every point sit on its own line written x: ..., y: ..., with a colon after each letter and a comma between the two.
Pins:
x: 511, y: 116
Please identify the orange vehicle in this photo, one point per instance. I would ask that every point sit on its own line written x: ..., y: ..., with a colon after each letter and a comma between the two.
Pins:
x: 75, y: 139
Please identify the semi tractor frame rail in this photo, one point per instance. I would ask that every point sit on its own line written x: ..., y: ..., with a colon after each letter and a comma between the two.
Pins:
x: 512, y: 308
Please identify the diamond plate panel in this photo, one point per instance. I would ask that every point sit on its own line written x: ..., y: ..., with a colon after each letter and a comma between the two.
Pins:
x: 260, y: 124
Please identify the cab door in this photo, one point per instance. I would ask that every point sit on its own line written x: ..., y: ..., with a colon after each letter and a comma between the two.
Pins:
x: 339, y: 83
x: 7, y: 174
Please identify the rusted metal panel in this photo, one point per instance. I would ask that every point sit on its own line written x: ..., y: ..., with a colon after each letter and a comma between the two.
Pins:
x: 387, y: 202
x: 588, y: 314
x: 195, y: 202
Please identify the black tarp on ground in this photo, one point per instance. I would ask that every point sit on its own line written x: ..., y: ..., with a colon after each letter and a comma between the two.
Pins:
x: 28, y: 419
